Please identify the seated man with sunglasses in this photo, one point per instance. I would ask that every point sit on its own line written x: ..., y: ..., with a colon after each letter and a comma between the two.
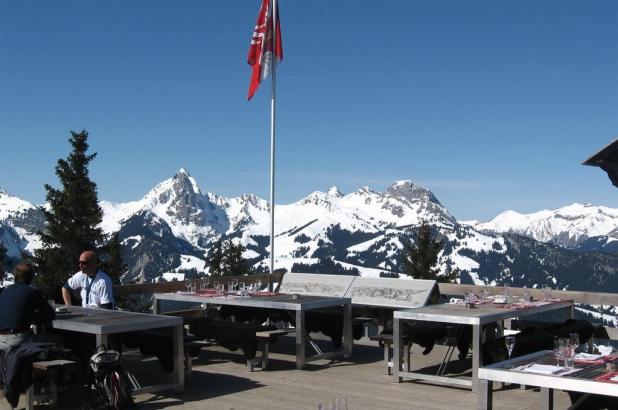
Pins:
x: 96, y: 289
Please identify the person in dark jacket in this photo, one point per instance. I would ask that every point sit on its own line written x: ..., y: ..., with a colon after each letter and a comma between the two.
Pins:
x: 18, y: 305
x: 2, y: 277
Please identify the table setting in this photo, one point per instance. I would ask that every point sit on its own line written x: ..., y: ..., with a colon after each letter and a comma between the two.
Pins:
x: 569, y: 356
x: 506, y: 299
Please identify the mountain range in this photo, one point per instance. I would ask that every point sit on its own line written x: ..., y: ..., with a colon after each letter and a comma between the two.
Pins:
x: 365, y: 232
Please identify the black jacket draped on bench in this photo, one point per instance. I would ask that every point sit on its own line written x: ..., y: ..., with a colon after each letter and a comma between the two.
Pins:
x: 16, y: 367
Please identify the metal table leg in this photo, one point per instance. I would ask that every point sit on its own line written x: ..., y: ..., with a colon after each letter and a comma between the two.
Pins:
x: 102, y: 340
x: 179, y: 356
x: 485, y: 395
x: 547, y: 398
x: 477, y: 356
x: 301, y: 357
x: 396, y: 349
x: 348, y: 338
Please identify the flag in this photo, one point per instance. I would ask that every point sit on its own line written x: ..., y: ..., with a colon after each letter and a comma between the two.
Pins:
x: 261, y: 50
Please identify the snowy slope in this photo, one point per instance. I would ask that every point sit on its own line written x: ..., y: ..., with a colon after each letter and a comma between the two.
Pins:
x: 568, y: 226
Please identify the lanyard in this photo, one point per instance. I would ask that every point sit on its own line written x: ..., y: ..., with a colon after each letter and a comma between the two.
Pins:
x: 88, y: 286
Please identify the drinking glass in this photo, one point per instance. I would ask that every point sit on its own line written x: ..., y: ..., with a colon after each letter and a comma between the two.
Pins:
x: 510, y: 344
x: 188, y: 285
x: 569, y: 355
x: 216, y: 286
x: 558, y: 352
x: 507, y: 293
x: 563, y: 346
x: 546, y: 293
x: 484, y: 295
x: 341, y: 403
x: 326, y: 405
x: 258, y: 286
x: 574, y: 340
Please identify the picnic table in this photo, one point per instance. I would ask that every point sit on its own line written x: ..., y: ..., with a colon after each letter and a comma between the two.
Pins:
x: 298, y: 305
x: 105, y: 323
x: 587, y: 377
x: 459, y: 314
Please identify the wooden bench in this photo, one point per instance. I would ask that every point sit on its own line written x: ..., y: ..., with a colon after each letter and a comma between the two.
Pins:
x: 265, y: 337
x: 50, y: 369
x: 191, y: 350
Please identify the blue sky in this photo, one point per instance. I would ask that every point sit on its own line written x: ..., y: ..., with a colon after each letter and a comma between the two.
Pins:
x: 492, y: 105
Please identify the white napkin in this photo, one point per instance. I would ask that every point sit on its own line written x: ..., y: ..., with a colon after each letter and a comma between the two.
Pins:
x: 587, y: 356
x: 543, y: 369
x: 605, y: 350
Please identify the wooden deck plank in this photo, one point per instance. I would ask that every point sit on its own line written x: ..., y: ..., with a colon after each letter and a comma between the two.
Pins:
x: 220, y: 380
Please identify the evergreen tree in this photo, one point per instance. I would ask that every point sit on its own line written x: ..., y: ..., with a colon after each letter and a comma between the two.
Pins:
x: 215, y: 260
x: 235, y: 264
x: 421, y: 257
x: 73, y: 218
x: 113, y: 264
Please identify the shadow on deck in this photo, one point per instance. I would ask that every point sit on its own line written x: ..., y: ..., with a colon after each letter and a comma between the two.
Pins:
x: 220, y: 380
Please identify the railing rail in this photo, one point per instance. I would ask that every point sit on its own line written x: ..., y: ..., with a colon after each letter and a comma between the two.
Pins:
x: 589, y: 298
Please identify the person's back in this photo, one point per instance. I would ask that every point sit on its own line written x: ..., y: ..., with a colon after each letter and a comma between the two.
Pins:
x: 18, y: 304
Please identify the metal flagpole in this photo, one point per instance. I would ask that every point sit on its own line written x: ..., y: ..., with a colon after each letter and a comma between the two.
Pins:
x: 272, y: 140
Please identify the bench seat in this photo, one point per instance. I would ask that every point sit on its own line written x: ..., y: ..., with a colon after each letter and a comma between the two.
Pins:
x: 265, y: 337
x: 51, y: 369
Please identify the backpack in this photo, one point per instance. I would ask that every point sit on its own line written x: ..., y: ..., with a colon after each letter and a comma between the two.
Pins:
x: 110, y: 385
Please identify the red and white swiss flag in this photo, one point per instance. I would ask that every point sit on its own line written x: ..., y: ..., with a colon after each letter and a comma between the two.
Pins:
x: 261, y: 50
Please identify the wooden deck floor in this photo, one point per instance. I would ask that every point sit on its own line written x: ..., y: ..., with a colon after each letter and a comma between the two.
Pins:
x: 220, y: 380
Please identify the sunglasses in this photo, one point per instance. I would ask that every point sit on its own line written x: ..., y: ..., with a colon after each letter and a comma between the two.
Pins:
x: 85, y: 262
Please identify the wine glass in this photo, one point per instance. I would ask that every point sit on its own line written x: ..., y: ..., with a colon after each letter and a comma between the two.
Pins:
x: 510, y: 344
x: 507, y: 293
x: 188, y: 285
x: 569, y: 354
x: 558, y: 351
x: 546, y: 293
x: 574, y: 340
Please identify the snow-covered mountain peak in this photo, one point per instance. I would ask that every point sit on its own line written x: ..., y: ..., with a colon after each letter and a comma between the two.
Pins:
x: 11, y: 206
x: 183, y: 182
x: 411, y: 191
x: 334, y: 191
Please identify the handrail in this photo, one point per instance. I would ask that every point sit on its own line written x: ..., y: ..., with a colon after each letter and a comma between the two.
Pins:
x: 589, y: 298
x: 455, y: 289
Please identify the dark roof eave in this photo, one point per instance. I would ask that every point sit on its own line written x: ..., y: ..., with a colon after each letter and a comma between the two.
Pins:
x: 609, y: 152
